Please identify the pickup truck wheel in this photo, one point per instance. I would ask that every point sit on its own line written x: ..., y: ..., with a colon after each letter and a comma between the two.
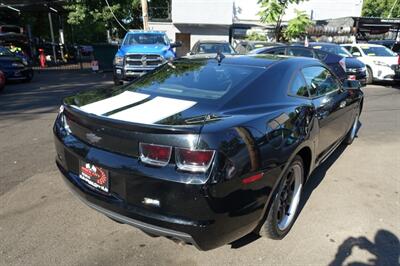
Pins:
x: 284, y: 209
x: 117, y: 81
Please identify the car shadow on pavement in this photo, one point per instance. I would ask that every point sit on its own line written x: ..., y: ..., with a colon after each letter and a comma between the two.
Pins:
x: 385, y: 247
x: 312, y: 183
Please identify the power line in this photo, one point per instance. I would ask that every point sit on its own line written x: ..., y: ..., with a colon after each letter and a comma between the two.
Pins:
x: 122, y: 26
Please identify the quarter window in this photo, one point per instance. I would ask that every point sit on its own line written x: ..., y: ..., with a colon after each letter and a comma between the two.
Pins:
x: 298, y: 86
x: 319, y: 81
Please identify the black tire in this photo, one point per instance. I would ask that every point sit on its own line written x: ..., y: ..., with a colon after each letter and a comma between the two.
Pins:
x: 370, y: 76
x: 117, y: 81
x: 271, y: 227
x: 351, y: 135
x: 29, y: 77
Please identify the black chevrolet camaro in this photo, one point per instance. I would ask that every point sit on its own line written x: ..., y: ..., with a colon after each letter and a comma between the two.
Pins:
x: 206, y: 151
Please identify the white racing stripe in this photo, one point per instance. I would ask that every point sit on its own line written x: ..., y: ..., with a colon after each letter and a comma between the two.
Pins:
x: 153, y: 110
x: 114, y: 103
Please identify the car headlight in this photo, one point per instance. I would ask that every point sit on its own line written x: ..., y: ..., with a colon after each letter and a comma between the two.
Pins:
x: 119, y: 60
x: 17, y: 65
x: 380, y: 63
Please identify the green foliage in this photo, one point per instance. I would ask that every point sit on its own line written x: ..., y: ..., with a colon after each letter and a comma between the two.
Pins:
x: 381, y: 8
x: 272, y: 11
x: 254, y: 36
x: 297, y: 26
x: 90, y: 18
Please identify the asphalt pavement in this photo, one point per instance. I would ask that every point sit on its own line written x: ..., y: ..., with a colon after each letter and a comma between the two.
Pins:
x: 350, y: 212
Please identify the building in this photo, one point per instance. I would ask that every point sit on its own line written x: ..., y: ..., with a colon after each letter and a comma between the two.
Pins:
x: 192, y: 20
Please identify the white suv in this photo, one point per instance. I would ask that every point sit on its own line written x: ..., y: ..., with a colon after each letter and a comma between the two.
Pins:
x: 382, y: 63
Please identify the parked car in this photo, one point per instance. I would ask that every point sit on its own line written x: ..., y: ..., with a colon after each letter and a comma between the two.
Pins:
x: 140, y: 52
x: 210, y: 47
x: 2, y: 81
x: 335, y: 62
x: 355, y: 69
x: 244, y: 47
x: 382, y: 63
x: 391, y: 44
x: 13, y: 67
x: 205, y: 151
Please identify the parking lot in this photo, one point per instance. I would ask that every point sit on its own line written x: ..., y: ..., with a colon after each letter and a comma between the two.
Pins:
x: 350, y: 211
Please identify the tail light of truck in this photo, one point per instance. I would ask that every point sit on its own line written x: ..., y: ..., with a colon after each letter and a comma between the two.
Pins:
x: 157, y: 155
x: 193, y: 160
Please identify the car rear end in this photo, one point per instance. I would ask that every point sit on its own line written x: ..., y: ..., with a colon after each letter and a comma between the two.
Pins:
x: 163, y: 177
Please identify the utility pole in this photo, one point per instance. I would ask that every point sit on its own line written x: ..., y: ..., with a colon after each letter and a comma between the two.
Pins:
x: 145, y: 15
x: 52, y: 38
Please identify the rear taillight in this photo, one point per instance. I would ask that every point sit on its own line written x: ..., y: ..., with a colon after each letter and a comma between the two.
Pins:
x: 158, y: 155
x: 193, y: 160
x: 398, y: 60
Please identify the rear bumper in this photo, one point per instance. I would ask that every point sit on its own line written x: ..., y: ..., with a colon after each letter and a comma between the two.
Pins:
x: 203, y: 215
x: 149, y: 228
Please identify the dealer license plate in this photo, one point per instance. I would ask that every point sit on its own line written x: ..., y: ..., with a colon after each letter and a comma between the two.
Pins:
x: 95, y: 176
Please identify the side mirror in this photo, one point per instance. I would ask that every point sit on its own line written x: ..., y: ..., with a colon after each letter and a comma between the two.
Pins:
x: 176, y: 44
x: 356, y: 54
x: 351, y: 84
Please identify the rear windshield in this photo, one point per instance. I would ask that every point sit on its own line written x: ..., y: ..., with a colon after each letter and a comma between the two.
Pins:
x: 213, y: 48
x: 5, y: 52
x: 377, y: 51
x: 196, y: 80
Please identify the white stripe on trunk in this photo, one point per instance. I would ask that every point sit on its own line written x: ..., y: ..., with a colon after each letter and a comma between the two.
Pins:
x: 153, y: 110
x: 113, y: 103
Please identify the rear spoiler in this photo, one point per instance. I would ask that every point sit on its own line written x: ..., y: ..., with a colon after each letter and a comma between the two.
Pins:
x: 87, y: 119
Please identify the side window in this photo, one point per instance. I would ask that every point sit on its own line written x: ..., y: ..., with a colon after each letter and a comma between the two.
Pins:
x: 279, y: 51
x: 321, y: 55
x: 355, y: 50
x: 300, y: 52
x: 319, y: 81
x: 298, y: 86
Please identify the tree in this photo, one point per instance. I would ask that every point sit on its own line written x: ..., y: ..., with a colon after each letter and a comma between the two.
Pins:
x: 297, y: 26
x: 91, y: 18
x: 255, y: 36
x: 381, y: 8
x: 272, y: 11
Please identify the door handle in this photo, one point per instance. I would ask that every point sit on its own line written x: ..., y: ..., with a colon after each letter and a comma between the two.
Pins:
x: 342, y: 104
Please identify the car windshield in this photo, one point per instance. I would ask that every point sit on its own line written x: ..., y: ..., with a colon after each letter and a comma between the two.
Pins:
x: 334, y: 49
x: 5, y: 52
x: 195, y: 80
x: 213, y: 48
x: 377, y: 51
x: 146, y: 38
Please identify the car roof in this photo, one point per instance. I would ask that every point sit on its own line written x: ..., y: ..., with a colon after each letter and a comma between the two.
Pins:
x: 362, y: 44
x: 256, y: 60
x: 323, y: 43
x: 212, y: 41
x: 145, y: 31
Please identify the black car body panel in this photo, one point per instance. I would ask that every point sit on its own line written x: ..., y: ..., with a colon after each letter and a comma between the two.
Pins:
x: 354, y: 67
x: 332, y: 60
x: 255, y: 127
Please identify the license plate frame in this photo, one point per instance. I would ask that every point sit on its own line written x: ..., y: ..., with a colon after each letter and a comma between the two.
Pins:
x: 95, y: 176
